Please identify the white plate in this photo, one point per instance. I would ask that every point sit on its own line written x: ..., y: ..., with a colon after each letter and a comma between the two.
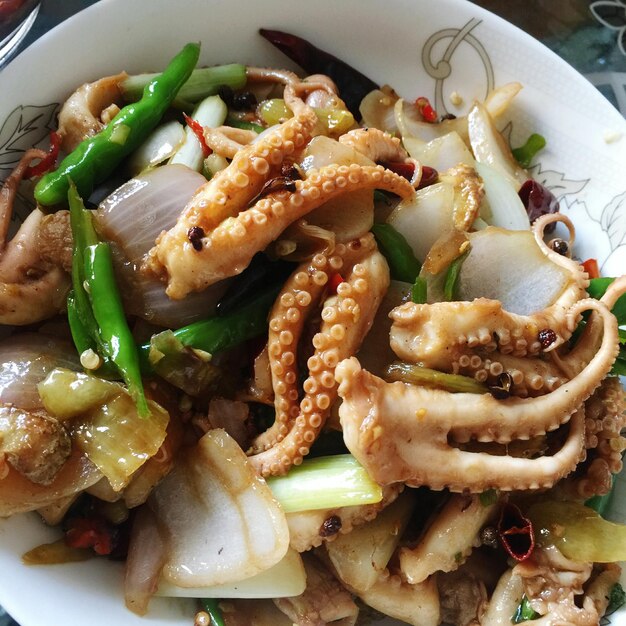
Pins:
x: 419, y: 47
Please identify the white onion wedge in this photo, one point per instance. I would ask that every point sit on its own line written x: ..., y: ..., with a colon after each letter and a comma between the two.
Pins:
x: 359, y: 557
x: 132, y: 217
x: 442, y: 153
x: 509, y: 266
x: 160, y: 145
x: 377, y: 111
x: 503, y: 206
x: 222, y: 522
x: 286, y: 579
x: 491, y: 148
x: 424, y: 217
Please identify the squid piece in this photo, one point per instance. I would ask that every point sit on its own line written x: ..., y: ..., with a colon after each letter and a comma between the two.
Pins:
x: 87, y: 110
x: 31, y: 287
x: 324, y: 601
x: 449, y: 539
x: 414, y: 604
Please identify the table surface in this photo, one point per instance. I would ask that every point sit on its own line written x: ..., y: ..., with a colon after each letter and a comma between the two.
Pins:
x: 589, y: 34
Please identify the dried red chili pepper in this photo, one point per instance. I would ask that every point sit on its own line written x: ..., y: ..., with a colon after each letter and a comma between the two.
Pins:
x: 91, y: 532
x: 425, y: 108
x: 516, y: 532
x: 591, y: 267
x: 49, y: 161
x: 429, y: 176
x: 407, y: 170
x: 198, y: 131
x: 333, y: 282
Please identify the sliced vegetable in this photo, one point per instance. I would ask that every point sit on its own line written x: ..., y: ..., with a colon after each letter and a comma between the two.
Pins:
x: 526, y: 153
x: 450, y: 287
x: 217, y: 334
x: 117, y: 439
x: 285, y: 579
x: 115, y: 336
x: 422, y: 219
x: 210, y: 113
x: 510, y: 267
x: 489, y: 146
x: 418, y: 375
x: 503, y: 206
x: 579, y: 532
x: 98, y: 301
x: 617, y: 599
x: 67, y: 394
x: 419, y: 291
x: 159, y: 146
x: 96, y: 157
x: 202, y: 82
x: 325, y: 483
x: 351, y: 84
x: 253, y: 281
x: 211, y: 606
x: 360, y: 556
x: 441, y: 153
x: 185, y: 368
x: 394, y: 247
x: 55, y: 552
x: 224, y: 524
x: 524, y: 612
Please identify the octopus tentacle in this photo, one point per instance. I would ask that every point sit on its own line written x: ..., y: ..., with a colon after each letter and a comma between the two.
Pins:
x: 346, y: 318
x: 229, y: 248
x: 529, y: 376
x: 395, y: 442
x: 294, y: 303
x: 463, y: 415
x: 231, y: 189
x: 604, y: 443
x: 429, y: 333
x: 227, y: 141
x: 380, y: 146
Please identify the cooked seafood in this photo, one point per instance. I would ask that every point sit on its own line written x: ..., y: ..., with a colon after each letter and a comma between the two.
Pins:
x: 251, y: 457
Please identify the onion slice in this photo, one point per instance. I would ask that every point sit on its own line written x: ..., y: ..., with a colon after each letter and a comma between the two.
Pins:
x: 222, y: 522
x: 131, y: 218
x: 509, y: 266
x: 284, y: 580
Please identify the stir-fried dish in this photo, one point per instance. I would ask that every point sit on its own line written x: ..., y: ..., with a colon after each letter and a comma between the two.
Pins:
x: 302, y: 349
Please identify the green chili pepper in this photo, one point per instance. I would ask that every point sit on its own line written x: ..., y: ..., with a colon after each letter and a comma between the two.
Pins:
x: 419, y: 291
x: 597, y: 288
x: 217, y: 334
x: 95, y: 158
x: 211, y: 606
x: 524, y: 612
x: 525, y: 154
x: 115, y: 335
x: 452, y: 277
x: 235, y: 122
x: 394, y: 247
x: 95, y: 307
